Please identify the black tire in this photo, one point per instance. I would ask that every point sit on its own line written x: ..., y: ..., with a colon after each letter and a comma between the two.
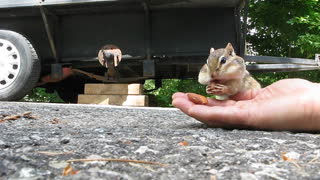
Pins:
x: 26, y: 72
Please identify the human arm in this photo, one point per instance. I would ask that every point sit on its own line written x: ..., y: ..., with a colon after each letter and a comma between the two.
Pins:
x: 291, y: 104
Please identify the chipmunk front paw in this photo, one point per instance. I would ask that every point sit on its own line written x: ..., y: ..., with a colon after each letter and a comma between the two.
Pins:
x: 217, y: 89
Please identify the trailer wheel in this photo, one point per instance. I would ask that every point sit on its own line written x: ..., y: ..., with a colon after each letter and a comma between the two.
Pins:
x: 19, y: 66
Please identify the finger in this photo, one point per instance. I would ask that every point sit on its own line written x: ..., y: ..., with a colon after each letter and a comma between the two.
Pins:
x: 246, y: 95
x: 179, y: 94
x: 211, y: 101
x: 182, y: 103
x: 185, y: 105
x: 227, y: 116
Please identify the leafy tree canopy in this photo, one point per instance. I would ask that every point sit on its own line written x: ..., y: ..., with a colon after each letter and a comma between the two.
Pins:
x: 285, y: 27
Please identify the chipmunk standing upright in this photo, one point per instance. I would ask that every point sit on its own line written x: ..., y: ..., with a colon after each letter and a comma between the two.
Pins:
x: 225, y: 74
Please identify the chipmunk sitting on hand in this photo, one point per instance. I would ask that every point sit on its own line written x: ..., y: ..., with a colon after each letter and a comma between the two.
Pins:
x: 225, y: 74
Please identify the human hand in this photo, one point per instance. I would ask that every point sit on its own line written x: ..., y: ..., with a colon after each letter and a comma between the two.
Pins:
x: 291, y: 104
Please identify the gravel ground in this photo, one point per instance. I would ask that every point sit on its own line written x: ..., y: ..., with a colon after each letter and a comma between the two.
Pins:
x: 38, y: 145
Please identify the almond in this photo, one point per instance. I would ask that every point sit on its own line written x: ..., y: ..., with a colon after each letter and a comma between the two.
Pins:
x: 197, y: 98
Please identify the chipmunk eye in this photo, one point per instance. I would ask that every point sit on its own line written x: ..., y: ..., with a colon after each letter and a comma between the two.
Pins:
x: 223, y: 60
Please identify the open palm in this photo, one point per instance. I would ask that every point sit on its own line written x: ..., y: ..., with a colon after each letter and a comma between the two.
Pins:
x: 291, y: 104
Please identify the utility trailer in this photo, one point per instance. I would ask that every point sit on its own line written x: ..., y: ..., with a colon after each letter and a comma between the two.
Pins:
x: 55, y: 43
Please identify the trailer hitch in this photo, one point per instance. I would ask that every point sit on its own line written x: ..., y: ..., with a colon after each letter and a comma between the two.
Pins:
x: 110, y: 56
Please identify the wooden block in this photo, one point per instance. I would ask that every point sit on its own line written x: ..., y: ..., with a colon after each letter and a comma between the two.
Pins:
x: 113, y: 89
x: 120, y: 100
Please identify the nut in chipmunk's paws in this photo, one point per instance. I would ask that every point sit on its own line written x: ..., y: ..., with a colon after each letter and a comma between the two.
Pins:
x: 217, y: 89
x: 197, y: 98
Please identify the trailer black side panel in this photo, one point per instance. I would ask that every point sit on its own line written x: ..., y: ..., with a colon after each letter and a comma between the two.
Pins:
x: 191, y: 31
x: 173, y: 32
x: 83, y: 35
x: 80, y: 30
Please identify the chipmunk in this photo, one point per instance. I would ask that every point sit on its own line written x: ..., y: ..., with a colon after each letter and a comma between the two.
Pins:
x: 225, y: 74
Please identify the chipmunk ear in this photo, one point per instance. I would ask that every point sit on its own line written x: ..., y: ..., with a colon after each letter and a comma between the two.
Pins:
x: 230, y: 49
x: 211, y: 50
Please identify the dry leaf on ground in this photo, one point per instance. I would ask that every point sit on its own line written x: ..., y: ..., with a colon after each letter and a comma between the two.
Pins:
x: 293, y: 161
x: 16, y: 117
x: 29, y: 116
x: 55, y: 121
x: 183, y: 143
x: 12, y: 117
x: 68, y: 170
x: 118, y: 160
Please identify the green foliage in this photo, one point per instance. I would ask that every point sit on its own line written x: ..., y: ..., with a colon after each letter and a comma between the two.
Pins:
x: 309, y: 41
x: 285, y: 28
x: 266, y: 79
x: 171, y: 86
x: 40, y: 95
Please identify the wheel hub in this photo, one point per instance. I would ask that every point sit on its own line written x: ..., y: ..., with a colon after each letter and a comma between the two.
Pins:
x: 9, y: 63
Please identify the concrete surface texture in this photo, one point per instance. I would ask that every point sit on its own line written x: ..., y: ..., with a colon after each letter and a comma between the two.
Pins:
x: 38, y: 144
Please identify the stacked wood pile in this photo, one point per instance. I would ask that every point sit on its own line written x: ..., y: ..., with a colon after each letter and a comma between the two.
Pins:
x: 114, y: 94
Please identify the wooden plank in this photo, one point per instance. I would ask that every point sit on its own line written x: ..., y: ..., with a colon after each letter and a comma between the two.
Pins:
x: 120, y: 100
x: 113, y: 89
x: 281, y: 60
